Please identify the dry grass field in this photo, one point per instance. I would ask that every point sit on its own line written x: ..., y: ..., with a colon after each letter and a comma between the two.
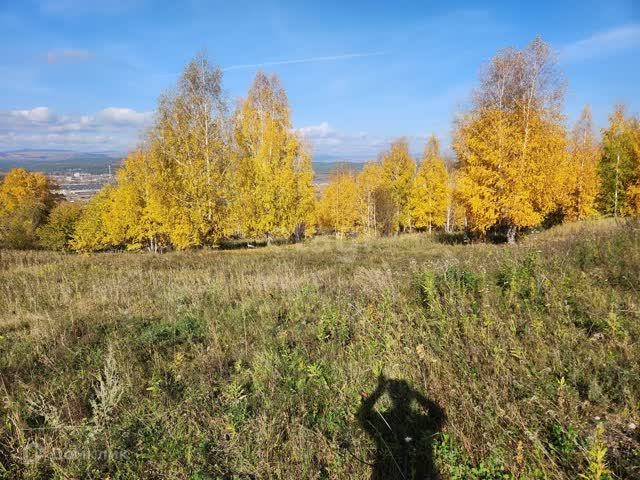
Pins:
x: 386, y: 358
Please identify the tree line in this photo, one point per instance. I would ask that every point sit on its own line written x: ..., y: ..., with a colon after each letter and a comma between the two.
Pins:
x: 204, y: 173
x: 516, y: 166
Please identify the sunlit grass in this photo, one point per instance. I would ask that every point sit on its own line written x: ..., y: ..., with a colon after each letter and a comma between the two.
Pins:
x: 210, y: 364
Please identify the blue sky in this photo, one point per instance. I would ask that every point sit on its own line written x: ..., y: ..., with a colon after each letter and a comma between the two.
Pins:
x: 85, y: 75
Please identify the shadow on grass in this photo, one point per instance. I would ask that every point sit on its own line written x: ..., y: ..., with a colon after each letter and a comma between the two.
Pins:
x: 240, y: 244
x: 494, y: 236
x: 403, y: 434
x: 452, y: 238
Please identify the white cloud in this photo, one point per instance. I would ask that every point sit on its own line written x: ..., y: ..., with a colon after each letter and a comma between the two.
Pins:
x: 37, y: 114
x: 119, y: 128
x: 321, y: 130
x: 41, y: 127
x: 327, y: 141
x: 123, y: 116
x: 69, y: 55
x: 331, y: 144
x: 602, y: 43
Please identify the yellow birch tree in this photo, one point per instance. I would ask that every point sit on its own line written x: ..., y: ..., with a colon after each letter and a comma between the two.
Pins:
x: 378, y: 209
x: 26, y: 198
x: 582, y: 173
x: 633, y: 191
x: 190, y: 143
x: 429, y: 199
x: 340, y: 207
x: 273, y: 192
x: 90, y: 233
x: 137, y: 205
x: 511, y: 144
x: 399, y: 169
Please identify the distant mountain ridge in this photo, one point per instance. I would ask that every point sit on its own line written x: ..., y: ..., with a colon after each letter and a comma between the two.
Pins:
x: 52, y: 161
x: 325, y: 158
x: 51, y: 154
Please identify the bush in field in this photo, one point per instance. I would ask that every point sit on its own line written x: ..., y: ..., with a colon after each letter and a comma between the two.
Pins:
x: 25, y: 201
x: 57, y: 233
x: 18, y: 229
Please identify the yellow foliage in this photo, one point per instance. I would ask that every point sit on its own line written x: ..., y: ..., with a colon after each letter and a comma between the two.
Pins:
x: 57, y: 233
x: 273, y: 192
x: 429, y: 199
x: 132, y: 214
x: 633, y: 200
x: 456, y: 212
x: 137, y: 216
x: 619, y: 166
x: 20, y: 187
x: 398, y: 169
x: 90, y: 233
x: 582, y: 173
x: 633, y: 191
x: 190, y: 185
x: 189, y: 148
x: 511, y: 145
x: 597, y: 468
x: 378, y: 208
x: 341, y: 208
x: 25, y: 201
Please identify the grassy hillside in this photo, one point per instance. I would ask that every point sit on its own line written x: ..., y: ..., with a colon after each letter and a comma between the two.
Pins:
x: 354, y: 359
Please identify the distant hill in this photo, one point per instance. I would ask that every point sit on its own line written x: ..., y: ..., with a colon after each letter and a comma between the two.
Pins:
x: 60, y: 161
x: 324, y: 158
x: 50, y: 154
x: 54, y: 155
x: 64, y: 161
x: 323, y: 170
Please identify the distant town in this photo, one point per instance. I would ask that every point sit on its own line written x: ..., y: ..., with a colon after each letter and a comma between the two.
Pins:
x: 80, y: 186
x: 80, y: 174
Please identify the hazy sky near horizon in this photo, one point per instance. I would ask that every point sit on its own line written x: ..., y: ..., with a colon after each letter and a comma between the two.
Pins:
x: 86, y: 75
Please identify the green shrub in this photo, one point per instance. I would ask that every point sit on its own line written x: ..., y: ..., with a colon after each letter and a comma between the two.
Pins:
x: 57, y: 233
x: 449, y: 286
x: 456, y: 464
x: 333, y: 327
x: 520, y: 281
x: 188, y: 328
x: 563, y: 442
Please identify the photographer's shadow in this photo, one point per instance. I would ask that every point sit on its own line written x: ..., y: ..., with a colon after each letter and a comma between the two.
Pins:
x: 404, y: 433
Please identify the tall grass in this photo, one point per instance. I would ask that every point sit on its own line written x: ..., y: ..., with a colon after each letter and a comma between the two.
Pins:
x: 256, y: 363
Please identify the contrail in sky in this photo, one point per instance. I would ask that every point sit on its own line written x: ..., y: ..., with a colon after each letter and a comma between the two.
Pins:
x: 329, y: 58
